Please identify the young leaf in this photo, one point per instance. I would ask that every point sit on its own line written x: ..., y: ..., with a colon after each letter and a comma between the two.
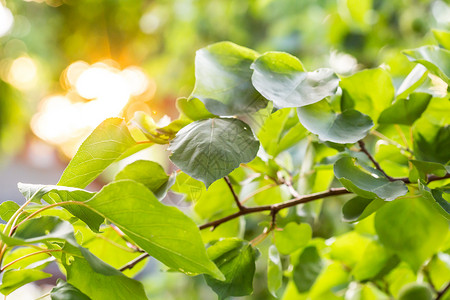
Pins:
x: 368, y: 91
x: 274, y: 271
x: 162, y: 231
x: 281, y: 78
x: 105, y: 144
x: 210, y: 149
x: 149, y: 173
x: 292, y: 237
x: 307, y: 269
x: 7, y: 210
x: 236, y: 260
x: 359, y: 208
x: 411, y: 229
x: 66, y: 291
x: 443, y: 37
x: 434, y: 58
x: 405, y: 111
x: 223, y: 80
x: 193, y: 109
x: 14, y: 279
x: 347, y: 127
x: 365, y: 184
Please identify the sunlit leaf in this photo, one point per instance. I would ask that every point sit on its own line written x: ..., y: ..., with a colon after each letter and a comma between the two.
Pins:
x: 210, y: 149
x: 405, y: 111
x: 415, y: 291
x: 374, y: 260
x: 443, y: 37
x: 292, y: 237
x: 414, y: 79
x: 14, y: 279
x: 434, y: 58
x: 7, y: 210
x: 193, y: 109
x: 274, y: 271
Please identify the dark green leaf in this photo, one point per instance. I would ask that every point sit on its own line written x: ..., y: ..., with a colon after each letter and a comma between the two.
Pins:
x: 307, y: 269
x: 405, y: 111
x: 424, y: 168
x: 342, y: 128
x: 193, y: 109
x: 162, y: 231
x: 411, y: 229
x: 274, y: 271
x: 434, y: 197
x: 14, y: 279
x: 210, y: 149
x: 369, y: 91
x: 236, y: 260
x: 415, y: 291
x: 149, y: 173
x: 105, y: 144
x: 359, y: 208
x: 281, y: 78
x: 292, y: 237
x: 429, y: 141
x: 223, y: 80
x: 435, y: 59
x: 365, y: 184
x: 7, y: 210
x: 66, y: 291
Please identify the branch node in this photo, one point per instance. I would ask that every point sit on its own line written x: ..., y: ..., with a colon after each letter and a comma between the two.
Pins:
x: 362, y: 146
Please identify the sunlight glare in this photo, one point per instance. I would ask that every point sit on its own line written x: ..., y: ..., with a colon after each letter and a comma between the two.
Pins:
x: 6, y: 20
x: 22, y: 73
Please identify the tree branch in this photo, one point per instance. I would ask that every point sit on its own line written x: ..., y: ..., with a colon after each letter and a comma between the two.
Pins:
x: 441, y: 293
x: 134, y: 262
x: 235, y: 196
x: 376, y: 164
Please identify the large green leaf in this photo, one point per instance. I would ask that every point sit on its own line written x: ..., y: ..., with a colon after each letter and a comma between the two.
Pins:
x: 281, y: 131
x: 292, y: 237
x: 236, y: 260
x: 105, y: 144
x: 365, y: 184
x: 307, y: 269
x: 411, y: 228
x: 274, y: 271
x: 54, y: 194
x: 405, y: 111
x: 434, y: 58
x: 210, y: 149
x: 14, y: 279
x: 223, y: 80
x: 66, y: 291
x: 430, y: 139
x: 281, y: 78
x: 164, y: 232
x: 368, y: 91
x: 149, y: 173
x: 343, y: 128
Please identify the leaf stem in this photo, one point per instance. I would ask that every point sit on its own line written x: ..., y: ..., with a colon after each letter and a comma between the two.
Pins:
x: 134, y: 262
x: 363, y: 148
x: 441, y: 293
x: 26, y: 256
x: 235, y: 196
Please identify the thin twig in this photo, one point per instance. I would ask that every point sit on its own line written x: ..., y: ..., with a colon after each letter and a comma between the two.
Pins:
x: 390, y: 141
x: 235, y: 196
x: 443, y: 291
x: 377, y: 165
x: 28, y: 255
x: 134, y: 262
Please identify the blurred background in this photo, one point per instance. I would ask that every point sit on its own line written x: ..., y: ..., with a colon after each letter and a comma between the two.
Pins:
x: 66, y: 65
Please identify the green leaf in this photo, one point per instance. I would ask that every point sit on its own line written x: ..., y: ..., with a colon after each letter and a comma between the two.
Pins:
x: 105, y: 144
x: 443, y: 37
x: 208, y: 150
x: 162, y: 231
x: 281, y: 78
x: 414, y: 79
x: 236, y: 260
x: 98, y: 280
x: 14, y: 279
x: 281, y: 131
x: 7, y: 210
x: 223, y: 80
x: 375, y: 258
x: 415, y: 291
x: 292, y: 237
x: 429, y: 140
x: 359, y: 208
x: 347, y: 127
x: 348, y: 248
x: 149, y: 173
x: 411, y: 228
x: 365, y: 184
x: 425, y: 168
x: 66, y: 291
x: 368, y: 91
x: 274, y: 271
x: 405, y: 111
x: 307, y: 269
x: 434, y: 197
x: 435, y: 59
x: 193, y: 109
x: 54, y: 194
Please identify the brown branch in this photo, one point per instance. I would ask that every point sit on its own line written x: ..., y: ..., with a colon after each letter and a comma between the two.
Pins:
x: 134, y: 262
x: 430, y: 178
x: 235, y: 196
x: 376, y: 164
x: 441, y: 293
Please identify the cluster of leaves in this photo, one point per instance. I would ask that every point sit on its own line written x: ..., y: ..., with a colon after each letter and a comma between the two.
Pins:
x: 260, y: 137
